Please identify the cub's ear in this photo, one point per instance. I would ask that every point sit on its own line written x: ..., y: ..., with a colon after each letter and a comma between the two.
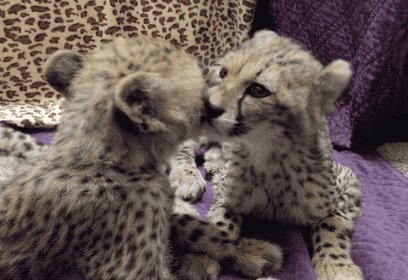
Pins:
x: 264, y: 35
x: 331, y: 82
x: 61, y: 68
x: 137, y: 97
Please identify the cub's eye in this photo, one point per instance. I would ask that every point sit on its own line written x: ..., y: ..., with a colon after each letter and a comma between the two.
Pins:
x: 257, y: 91
x: 223, y: 72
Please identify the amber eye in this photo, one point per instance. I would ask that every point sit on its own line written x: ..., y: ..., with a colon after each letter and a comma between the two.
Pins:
x: 223, y: 72
x: 257, y: 91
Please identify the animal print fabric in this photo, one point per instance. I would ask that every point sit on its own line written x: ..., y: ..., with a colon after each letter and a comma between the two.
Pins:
x: 32, y: 30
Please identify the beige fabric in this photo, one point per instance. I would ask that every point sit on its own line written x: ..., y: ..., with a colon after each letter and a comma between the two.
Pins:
x: 397, y: 154
x: 32, y: 30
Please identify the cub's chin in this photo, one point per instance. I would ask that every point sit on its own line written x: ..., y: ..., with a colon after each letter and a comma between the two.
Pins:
x: 218, y: 134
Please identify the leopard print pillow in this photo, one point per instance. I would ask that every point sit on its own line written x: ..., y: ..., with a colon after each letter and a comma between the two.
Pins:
x: 32, y: 30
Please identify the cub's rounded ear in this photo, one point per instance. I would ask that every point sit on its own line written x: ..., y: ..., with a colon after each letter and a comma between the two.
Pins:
x: 61, y: 68
x: 331, y: 82
x: 264, y: 35
x: 137, y: 96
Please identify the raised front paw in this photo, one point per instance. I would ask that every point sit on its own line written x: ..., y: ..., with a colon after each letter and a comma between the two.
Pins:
x: 188, y: 183
x: 338, y: 271
x: 181, y: 207
x: 256, y: 258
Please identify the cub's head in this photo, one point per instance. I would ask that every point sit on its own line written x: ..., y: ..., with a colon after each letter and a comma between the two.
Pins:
x: 270, y: 87
x: 146, y: 85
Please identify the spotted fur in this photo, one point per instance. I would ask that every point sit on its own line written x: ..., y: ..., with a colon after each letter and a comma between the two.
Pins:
x: 97, y: 201
x: 267, y: 100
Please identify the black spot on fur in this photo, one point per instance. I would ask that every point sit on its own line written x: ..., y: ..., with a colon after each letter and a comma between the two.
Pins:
x: 327, y: 245
x: 195, y: 235
x: 131, y: 263
x: 184, y: 220
x: 223, y: 234
x: 132, y: 248
x: 333, y: 256
x: 328, y: 227
x: 148, y: 255
x: 63, y: 177
x: 139, y: 214
x: 118, y: 239
x: 227, y: 215
x: 135, y: 179
x: 122, y: 193
x: 107, y: 246
x: 85, y: 180
x: 214, y: 239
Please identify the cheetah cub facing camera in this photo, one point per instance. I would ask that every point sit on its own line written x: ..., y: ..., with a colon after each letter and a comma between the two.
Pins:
x: 96, y: 201
x: 268, y: 99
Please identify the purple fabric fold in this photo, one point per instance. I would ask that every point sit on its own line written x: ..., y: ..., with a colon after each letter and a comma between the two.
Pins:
x: 380, y: 241
x: 373, y: 36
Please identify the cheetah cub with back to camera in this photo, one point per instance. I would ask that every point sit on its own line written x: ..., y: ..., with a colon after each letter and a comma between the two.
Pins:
x: 268, y: 99
x: 97, y: 201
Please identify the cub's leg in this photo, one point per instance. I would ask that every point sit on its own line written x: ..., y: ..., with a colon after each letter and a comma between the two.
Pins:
x: 184, y: 176
x: 16, y: 144
x: 197, y: 267
x: 227, y: 165
x: 250, y: 257
x: 331, y: 237
x: 16, y: 149
x: 216, y: 167
x: 182, y: 207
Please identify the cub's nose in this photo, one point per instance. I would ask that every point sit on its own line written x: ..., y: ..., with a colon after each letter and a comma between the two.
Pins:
x: 212, y: 111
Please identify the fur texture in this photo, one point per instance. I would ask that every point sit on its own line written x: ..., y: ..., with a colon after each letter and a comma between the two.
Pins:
x: 97, y: 201
x: 267, y: 101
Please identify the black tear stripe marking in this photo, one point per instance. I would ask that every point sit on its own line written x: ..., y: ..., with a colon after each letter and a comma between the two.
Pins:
x: 240, y: 128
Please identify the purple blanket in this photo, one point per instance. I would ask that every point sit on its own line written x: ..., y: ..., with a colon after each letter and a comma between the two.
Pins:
x: 380, y: 241
x: 373, y: 36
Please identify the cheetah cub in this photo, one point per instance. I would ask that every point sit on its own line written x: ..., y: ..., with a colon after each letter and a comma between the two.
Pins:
x: 97, y: 201
x: 268, y: 99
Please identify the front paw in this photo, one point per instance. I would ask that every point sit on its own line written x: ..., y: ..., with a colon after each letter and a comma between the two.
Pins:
x: 181, y: 207
x: 338, y: 271
x: 226, y: 221
x: 257, y: 258
x: 188, y: 183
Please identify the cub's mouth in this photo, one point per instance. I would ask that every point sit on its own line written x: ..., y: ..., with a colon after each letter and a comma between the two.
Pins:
x: 239, y: 129
x: 213, y: 113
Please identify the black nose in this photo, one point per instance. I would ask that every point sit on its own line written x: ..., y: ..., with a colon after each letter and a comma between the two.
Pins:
x: 212, y: 111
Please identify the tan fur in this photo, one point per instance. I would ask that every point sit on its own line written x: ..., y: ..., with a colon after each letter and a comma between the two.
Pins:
x: 269, y: 109
x: 97, y: 200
